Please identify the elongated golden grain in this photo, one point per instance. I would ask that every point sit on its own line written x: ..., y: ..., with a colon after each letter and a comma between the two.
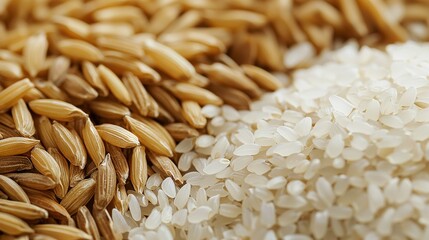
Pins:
x: 189, y: 92
x: 79, y: 195
x: 163, y: 17
x: 61, y: 232
x: 22, y: 210
x: 7, y: 120
x: 169, y: 61
x: 34, y: 53
x: 76, y: 175
x: 33, y: 94
x: 79, y: 50
x: 44, y: 130
x: 58, y: 69
x: 159, y: 128
x: 69, y: 145
x: 153, y: 108
x: 149, y: 137
x: 12, y: 189
x: 10, y: 70
x: 54, y: 209
x: 33, y: 180
x: 62, y: 187
x: 187, y: 20
x: 138, y: 93
x: 16, y: 145
x: 45, y: 164
x: 10, y: 95
x: 33, y: 192
x: 120, y: 199
x: 118, y: 13
x: 93, y: 78
x: 233, y: 97
x: 138, y: 169
x: 72, y: 26
x: 166, y: 166
x: 8, y: 132
x: 191, y: 111
x: 119, y: 162
x: 51, y: 90
x: 121, y: 64
x: 262, y: 78
x: 85, y: 222
x: 117, y: 136
x: 78, y: 88
x: 115, y: 84
x: 221, y: 74
x: 14, y: 164
x: 93, y: 142
x: 234, y: 18
x: 212, y: 44
x: 57, y: 110
x: 121, y: 45
x: 109, y: 109
x: 105, y: 224
x: 12, y: 225
x: 180, y: 131
x: 167, y: 101
x: 23, y: 120
x: 106, y: 183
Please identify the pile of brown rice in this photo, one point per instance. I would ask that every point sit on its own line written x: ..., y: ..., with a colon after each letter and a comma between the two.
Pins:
x: 95, y: 95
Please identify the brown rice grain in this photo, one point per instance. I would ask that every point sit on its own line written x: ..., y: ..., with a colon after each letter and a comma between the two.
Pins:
x: 138, y: 169
x: 169, y: 61
x: 45, y: 164
x: 86, y: 222
x: 34, y: 53
x: 62, y: 187
x: 51, y: 90
x: 10, y: 70
x: 261, y: 77
x: 117, y: 136
x: 61, y: 231
x: 54, y: 209
x: 105, y: 224
x: 109, y: 109
x: 23, y: 120
x: 12, y: 225
x: 10, y: 95
x: 22, y: 210
x: 149, y: 137
x: 106, y: 183
x: 16, y: 145
x: 76, y: 87
x: 139, y: 95
x: 120, y: 163
x: 93, y: 142
x: 191, y: 111
x: 79, y: 50
x: 79, y: 195
x: 14, y: 164
x: 69, y: 145
x: 13, y: 190
x: 57, y: 110
x: 32, y: 180
x: 114, y: 84
x: 76, y: 175
x: 180, y: 131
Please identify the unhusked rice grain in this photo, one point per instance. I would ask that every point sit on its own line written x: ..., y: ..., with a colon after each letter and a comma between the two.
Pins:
x: 339, y: 154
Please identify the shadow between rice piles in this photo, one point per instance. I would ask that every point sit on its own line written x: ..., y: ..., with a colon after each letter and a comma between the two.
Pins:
x: 94, y: 96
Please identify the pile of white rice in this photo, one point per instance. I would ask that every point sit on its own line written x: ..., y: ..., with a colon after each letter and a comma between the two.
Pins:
x: 341, y: 154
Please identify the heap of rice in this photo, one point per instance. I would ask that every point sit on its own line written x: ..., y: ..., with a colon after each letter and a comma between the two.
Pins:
x: 341, y: 154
